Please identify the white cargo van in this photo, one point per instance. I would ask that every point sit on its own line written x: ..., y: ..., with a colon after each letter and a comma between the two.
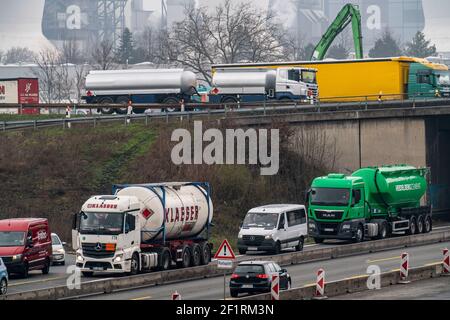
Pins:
x: 273, y: 228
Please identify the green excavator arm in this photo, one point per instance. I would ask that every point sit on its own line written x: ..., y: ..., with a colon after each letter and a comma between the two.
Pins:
x: 349, y: 14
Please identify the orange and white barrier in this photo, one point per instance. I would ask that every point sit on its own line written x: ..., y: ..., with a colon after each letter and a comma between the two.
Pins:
x: 404, y: 267
x: 275, y: 287
x: 176, y: 296
x: 320, y: 283
x: 446, y: 262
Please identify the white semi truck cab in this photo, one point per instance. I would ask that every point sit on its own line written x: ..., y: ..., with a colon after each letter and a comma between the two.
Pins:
x: 144, y: 227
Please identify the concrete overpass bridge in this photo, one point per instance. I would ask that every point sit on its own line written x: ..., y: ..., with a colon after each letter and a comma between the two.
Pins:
x: 416, y: 134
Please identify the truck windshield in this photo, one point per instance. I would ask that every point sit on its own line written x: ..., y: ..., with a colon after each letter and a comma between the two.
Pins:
x: 12, y: 239
x: 101, y: 223
x: 443, y: 78
x: 309, y: 76
x: 260, y: 220
x: 330, y: 197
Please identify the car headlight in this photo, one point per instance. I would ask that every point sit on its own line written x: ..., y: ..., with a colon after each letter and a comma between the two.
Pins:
x: 79, y: 257
x: 269, y: 236
x: 312, y: 226
x: 17, y: 257
x: 118, y: 258
x: 346, y: 227
x: 59, y: 251
x: 239, y: 236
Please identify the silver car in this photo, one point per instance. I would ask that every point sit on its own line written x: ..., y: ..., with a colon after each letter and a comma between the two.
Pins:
x: 59, y: 254
x: 3, y: 278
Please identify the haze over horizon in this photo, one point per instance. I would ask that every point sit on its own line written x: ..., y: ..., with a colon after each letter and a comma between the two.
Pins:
x: 20, y: 25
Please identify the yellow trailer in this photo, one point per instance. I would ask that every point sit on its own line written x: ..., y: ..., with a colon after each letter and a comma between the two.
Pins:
x: 368, y: 79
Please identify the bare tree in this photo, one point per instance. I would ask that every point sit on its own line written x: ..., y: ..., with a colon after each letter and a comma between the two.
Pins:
x: 47, y: 62
x: 233, y: 33
x: 150, y: 46
x: 102, y: 55
x: 81, y: 71
x: 18, y: 54
x: 2, y: 55
x: 71, y: 52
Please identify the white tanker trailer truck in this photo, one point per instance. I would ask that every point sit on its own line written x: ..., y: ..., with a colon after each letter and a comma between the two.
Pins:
x: 236, y: 85
x: 144, y: 227
x: 166, y: 86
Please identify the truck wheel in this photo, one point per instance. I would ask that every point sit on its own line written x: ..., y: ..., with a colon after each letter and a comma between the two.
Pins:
x: 318, y: 240
x: 359, y: 236
x: 106, y: 110
x: 196, y: 255
x: 412, y: 226
x: 134, y: 268
x: 124, y: 101
x: 3, y: 287
x: 46, y: 268
x: 229, y: 100
x: 174, y: 104
x: 383, y: 231
x: 277, y: 248
x: 206, y: 253
x: 300, y: 245
x: 165, y: 260
x: 186, y: 258
x: 420, y: 224
x: 428, y: 225
x: 25, y: 270
x: 87, y: 273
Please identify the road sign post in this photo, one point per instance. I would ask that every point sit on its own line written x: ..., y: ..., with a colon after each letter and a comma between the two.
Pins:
x: 404, y: 268
x: 225, y: 257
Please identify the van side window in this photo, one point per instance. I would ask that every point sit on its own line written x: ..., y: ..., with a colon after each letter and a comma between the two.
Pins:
x: 296, y: 217
x: 281, y: 224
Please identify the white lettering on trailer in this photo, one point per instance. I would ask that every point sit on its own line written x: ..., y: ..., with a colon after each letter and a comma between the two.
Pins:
x: 407, y: 187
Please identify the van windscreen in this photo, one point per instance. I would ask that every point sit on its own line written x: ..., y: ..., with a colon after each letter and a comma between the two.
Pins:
x: 260, y: 220
x: 12, y: 239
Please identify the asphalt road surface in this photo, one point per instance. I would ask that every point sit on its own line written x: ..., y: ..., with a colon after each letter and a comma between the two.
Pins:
x: 431, y: 289
x: 302, y: 274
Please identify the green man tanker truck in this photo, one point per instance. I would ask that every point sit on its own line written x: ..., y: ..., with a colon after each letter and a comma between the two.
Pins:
x: 373, y: 202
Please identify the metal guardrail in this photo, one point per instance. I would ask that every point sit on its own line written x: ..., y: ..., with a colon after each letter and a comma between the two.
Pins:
x: 211, y: 270
x: 255, y: 109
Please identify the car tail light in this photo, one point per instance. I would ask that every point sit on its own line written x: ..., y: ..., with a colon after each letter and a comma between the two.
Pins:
x: 234, y: 276
x: 262, y: 276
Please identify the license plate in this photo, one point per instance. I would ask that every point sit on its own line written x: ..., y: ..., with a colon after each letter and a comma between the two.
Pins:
x: 97, y: 268
x: 252, y: 248
x: 328, y: 229
x: 247, y: 286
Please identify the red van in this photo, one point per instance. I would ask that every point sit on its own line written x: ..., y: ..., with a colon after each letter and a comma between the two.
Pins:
x: 25, y: 244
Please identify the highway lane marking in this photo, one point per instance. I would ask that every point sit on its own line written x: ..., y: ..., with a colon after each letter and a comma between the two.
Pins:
x: 35, y: 281
x: 142, y: 298
x: 357, y: 277
x: 433, y: 264
x: 385, y: 259
x: 395, y: 270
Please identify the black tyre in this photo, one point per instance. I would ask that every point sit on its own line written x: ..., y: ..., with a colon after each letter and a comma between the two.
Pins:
x: 174, y: 104
x: 234, y: 294
x: 242, y: 251
x: 318, y: 240
x: 124, y: 101
x: 277, y: 248
x: 420, y: 224
x: 186, y: 258
x: 428, y: 226
x: 134, y: 269
x: 359, y: 236
x: 3, y: 286
x: 46, y: 268
x: 383, y: 231
x: 25, y: 270
x: 230, y: 102
x: 412, y: 226
x: 196, y: 255
x: 166, y: 260
x: 106, y: 110
x: 87, y: 273
x: 301, y: 243
x: 206, y: 253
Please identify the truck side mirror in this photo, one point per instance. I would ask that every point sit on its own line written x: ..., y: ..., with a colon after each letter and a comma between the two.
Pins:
x: 29, y: 242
